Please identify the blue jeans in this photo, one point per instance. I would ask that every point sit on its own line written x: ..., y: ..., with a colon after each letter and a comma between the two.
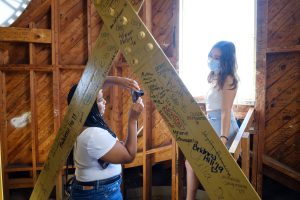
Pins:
x: 98, y: 190
x: 214, y: 117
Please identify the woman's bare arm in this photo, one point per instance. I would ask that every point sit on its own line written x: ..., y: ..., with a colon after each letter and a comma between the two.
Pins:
x: 125, y: 153
x: 227, y: 102
x: 126, y: 83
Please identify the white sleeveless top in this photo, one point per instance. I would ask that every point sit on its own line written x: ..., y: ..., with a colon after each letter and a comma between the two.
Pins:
x: 213, y: 98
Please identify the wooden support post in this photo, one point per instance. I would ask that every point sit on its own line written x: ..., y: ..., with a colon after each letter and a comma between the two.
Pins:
x: 254, y: 161
x: 177, y: 172
x: 1, y: 179
x: 55, y: 32
x: 174, y: 170
x: 261, y: 48
x: 147, y: 158
x: 177, y: 156
x: 89, y: 27
x: 237, y: 152
x: 116, y: 113
x: 56, y: 77
x: 59, y: 186
x: 245, y: 143
x: 3, y: 128
x: 34, y: 128
x: 33, y: 105
x: 147, y: 133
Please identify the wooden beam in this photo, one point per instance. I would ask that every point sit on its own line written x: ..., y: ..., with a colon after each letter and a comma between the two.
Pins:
x: 147, y: 131
x: 261, y: 48
x: 59, y: 186
x: 34, y: 128
x: 26, y: 67
x: 158, y: 155
x: 159, y: 149
x: 281, y: 168
x: 174, y: 176
x: 1, y: 175
x: 177, y: 172
x: 245, y: 143
x: 31, y: 47
x: 175, y: 35
x: 72, y: 67
x: 13, y: 34
x: 20, y: 183
x: 288, y: 49
x: 18, y: 168
x: 3, y: 129
x: 244, y: 127
x: 283, y: 179
x: 37, y: 67
x: 2, y: 171
x: 56, y: 79
x: 89, y: 27
x: 55, y: 32
x: 147, y: 137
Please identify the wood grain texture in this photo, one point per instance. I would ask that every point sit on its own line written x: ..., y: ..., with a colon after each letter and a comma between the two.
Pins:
x: 282, y: 88
x: 18, y: 102
x: 12, y: 34
x: 283, y: 23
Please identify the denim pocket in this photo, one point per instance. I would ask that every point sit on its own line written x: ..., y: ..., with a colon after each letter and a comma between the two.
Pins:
x: 79, y: 193
x: 110, y: 191
x: 113, y: 187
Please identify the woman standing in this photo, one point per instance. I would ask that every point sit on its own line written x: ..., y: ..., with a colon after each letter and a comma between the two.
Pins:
x: 223, y: 82
x: 98, y: 154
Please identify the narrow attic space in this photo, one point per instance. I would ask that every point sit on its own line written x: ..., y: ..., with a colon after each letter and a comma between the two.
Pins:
x: 149, y: 99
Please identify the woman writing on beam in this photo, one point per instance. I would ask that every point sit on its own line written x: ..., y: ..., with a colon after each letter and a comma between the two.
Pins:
x: 98, y: 154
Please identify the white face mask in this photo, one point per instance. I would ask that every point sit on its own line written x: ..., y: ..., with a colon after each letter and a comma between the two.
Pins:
x: 214, y: 65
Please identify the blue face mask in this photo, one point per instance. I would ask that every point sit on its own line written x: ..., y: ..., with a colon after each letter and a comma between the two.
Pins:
x: 214, y: 65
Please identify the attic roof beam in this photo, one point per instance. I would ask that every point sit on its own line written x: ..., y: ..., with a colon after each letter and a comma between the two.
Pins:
x: 34, y: 35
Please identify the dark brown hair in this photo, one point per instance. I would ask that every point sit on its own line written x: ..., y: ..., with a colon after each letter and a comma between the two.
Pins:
x: 228, y: 65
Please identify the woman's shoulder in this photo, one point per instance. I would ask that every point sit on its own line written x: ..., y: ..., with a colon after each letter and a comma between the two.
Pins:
x: 229, y: 82
x: 93, y: 129
x: 94, y: 132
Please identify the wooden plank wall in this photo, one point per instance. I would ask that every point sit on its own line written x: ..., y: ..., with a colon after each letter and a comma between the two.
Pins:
x: 279, y: 51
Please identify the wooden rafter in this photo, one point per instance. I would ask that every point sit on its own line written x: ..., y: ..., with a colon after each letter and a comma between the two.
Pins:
x: 12, y: 34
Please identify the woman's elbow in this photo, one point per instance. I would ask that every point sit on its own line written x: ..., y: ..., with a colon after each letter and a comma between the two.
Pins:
x: 128, y: 160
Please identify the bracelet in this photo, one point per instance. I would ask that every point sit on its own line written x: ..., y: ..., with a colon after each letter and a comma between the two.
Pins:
x: 223, y: 136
